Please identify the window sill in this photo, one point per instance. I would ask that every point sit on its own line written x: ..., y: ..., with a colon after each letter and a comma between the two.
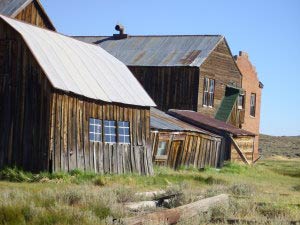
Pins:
x: 161, y: 157
x: 205, y: 106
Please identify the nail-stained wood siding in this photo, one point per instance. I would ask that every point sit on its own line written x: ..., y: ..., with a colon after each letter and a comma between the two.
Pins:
x: 221, y: 67
x: 195, y: 150
x: 71, y: 148
x: 25, y: 102
x: 34, y: 14
x: 44, y: 129
x: 182, y: 87
x: 170, y: 87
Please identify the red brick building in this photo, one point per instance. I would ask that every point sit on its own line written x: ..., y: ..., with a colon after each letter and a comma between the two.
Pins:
x: 252, y: 97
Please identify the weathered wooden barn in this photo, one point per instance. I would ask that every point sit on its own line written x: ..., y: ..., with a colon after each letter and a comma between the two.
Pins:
x: 65, y: 104
x: 175, y: 143
x: 239, y: 143
x: 187, y: 72
x: 30, y: 11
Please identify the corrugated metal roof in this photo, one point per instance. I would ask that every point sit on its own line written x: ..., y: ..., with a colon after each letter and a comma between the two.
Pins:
x: 81, y: 68
x: 12, y: 7
x: 179, y: 50
x: 162, y: 121
x: 203, y: 121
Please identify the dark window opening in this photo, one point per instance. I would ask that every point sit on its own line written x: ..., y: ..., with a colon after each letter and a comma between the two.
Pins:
x: 162, y: 148
x: 252, y: 104
x: 209, y: 92
x: 241, y: 102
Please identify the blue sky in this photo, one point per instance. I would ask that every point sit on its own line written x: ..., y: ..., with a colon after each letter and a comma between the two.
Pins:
x: 269, y: 30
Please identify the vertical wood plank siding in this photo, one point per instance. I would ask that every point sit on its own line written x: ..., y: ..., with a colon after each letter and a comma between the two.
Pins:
x: 198, y: 150
x: 170, y: 87
x: 182, y: 87
x: 24, y: 110
x: 219, y: 66
x: 43, y: 129
x: 70, y: 145
x: 34, y: 14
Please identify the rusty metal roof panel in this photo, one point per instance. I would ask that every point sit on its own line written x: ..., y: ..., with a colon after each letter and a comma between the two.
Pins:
x: 203, y: 121
x: 173, y: 50
x: 77, y: 67
x: 12, y: 7
x: 162, y: 121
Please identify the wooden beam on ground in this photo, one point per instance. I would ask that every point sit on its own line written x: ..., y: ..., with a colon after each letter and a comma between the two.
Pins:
x: 172, y: 216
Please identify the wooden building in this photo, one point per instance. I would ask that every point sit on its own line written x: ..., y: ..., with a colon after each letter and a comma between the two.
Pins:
x: 175, y: 143
x: 187, y: 72
x: 65, y: 104
x: 30, y: 11
x: 239, y: 143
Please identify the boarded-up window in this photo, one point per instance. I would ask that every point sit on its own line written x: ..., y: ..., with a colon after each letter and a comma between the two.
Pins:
x: 252, y: 104
x: 110, y: 131
x: 95, y: 130
x: 123, y: 132
x: 162, y: 148
x: 209, y: 92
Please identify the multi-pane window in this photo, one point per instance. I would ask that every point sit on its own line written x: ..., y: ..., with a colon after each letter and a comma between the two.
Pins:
x: 109, y: 131
x: 162, y: 148
x: 252, y: 104
x: 209, y: 92
x: 95, y: 130
x: 123, y: 132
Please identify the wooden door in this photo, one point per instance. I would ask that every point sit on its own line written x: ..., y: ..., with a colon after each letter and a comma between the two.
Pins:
x: 174, y: 156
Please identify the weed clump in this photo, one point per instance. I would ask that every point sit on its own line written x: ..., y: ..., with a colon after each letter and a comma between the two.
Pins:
x: 15, y: 175
x: 242, y: 189
x: 99, y: 181
x: 296, y: 188
x: 272, y: 211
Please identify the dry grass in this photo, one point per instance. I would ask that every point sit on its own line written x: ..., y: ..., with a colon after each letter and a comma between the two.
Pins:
x: 267, y: 192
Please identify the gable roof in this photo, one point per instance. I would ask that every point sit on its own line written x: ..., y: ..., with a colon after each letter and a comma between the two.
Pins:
x: 159, y: 120
x: 171, y: 50
x: 206, y: 122
x: 12, y: 8
x: 81, y: 68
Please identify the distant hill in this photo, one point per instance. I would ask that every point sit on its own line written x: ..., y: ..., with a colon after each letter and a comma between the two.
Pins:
x: 288, y: 146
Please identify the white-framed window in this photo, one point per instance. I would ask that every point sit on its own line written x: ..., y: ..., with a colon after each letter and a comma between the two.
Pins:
x: 209, y: 92
x: 95, y: 130
x: 162, y: 148
x: 252, y: 104
x: 123, y: 132
x: 110, y: 131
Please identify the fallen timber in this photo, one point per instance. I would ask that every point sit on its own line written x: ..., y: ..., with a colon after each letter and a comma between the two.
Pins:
x: 172, y: 216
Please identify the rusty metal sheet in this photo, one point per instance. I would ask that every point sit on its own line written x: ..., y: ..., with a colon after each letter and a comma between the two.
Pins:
x: 81, y: 68
x: 172, y: 50
x: 205, y: 122
x: 12, y: 7
x: 164, y: 122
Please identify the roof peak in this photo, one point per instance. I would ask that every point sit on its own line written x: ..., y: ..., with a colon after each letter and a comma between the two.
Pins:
x: 80, y: 68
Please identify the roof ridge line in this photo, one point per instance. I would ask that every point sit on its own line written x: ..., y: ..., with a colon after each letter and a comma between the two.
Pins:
x: 158, y: 35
